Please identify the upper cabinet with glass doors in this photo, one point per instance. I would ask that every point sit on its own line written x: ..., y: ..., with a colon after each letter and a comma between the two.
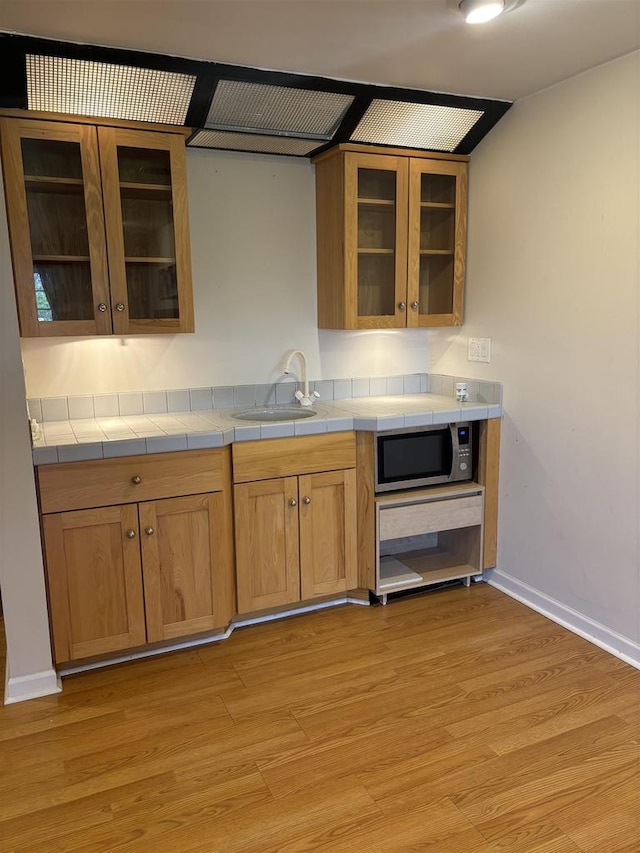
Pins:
x: 391, y: 239
x: 99, y: 229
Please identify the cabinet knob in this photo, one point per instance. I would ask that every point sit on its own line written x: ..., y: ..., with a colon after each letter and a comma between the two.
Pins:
x: 131, y: 534
x: 119, y: 306
x: 102, y: 307
x: 306, y: 499
x: 149, y: 531
x: 415, y: 305
x: 136, y: 480
x: 293, y: 502
x: 402, y: 305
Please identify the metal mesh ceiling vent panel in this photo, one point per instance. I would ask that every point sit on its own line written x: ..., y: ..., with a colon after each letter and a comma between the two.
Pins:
x: 415, y: 125
x: 238, y: 105
x: 252, y: 142
x: 84, y: 87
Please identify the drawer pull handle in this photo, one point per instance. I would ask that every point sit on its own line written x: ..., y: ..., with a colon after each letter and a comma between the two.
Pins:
x: 149, y: 531
x: 293, y: 502
x: 136, y: 480
x: 131, y: 534
x: 306, y: 500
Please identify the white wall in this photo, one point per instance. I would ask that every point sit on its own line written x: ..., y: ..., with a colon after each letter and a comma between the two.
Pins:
x: 254, y: 270
x: 29, y: 667
x: 554, y: 280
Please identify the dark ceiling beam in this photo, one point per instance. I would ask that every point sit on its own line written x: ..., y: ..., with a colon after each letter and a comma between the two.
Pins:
x: 13, y: 86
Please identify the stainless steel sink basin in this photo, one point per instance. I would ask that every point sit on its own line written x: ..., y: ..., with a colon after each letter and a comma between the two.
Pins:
x: 274, y: 413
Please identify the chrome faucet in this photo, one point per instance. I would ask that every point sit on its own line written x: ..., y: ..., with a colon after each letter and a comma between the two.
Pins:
x: 303, y: 397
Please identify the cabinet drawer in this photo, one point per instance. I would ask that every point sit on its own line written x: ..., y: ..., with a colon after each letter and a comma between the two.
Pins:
x: 106, y: 482
x: 288, y: 457
x: 429, y: 517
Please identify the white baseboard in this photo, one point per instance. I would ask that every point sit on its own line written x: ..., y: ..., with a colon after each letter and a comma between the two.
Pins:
x: 32, y: 686
x: 202, y: 641
x: 612, y: 642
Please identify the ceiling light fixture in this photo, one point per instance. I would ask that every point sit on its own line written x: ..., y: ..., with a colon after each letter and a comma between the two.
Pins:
x: 432, y: 126
x: 481, y: 11
x: 104, y: 89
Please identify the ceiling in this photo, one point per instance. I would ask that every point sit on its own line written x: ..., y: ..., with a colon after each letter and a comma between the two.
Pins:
x: 423, y: 44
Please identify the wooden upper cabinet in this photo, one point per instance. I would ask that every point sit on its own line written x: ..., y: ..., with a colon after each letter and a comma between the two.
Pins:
x: 437, y: 242
x: 375, y: 262
x: 99, y: 229
x: 56, y: 225
x: 391, y: 240
x: 144, y: 183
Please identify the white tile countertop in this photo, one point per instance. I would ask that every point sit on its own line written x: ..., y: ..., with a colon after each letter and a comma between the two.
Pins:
x: 128, y: 435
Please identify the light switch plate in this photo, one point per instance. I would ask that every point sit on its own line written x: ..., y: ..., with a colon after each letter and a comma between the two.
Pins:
x: 479, y: 350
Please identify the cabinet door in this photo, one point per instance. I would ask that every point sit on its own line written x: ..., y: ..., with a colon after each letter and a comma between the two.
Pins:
x: 186, y: 557
x: 375, y: 241
x: 267, y: 551
x: 437, y: 242
x: 95, y: 581
x: 328, y: 533
x: 56, y: 225
x: 144, y: 186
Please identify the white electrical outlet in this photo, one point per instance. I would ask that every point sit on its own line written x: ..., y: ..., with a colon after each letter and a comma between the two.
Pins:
x: 479, y: 350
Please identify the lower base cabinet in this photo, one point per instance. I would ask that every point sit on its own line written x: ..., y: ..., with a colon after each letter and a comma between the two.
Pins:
x: 183, y: 544
x: 267, y: 544
x: 328, y: 535
x: 140, y: 550
x: 95, y: 581
x: 141, y: 572
x: 296, y: 535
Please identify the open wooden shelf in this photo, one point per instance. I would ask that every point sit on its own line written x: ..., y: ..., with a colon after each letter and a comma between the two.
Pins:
x: 149, y: 192
x: 428, y: 536
x: 422, y: 567
x: 61, y: 259
x: 436, y: 205
x: 377, y: 202
x: 43, y: 183
x: 376, y: 251
x: 144, y: 260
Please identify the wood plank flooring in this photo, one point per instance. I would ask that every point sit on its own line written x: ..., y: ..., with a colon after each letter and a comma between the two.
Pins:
x: 458, y: 721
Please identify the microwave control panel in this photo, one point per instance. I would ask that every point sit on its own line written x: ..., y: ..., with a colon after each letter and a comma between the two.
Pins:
x: 464, y: 447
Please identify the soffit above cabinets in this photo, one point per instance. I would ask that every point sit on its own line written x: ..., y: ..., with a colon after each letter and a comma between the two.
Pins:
x: 234, y: 107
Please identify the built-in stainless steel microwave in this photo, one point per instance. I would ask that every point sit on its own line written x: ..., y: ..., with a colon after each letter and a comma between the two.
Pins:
x: 424, y: 456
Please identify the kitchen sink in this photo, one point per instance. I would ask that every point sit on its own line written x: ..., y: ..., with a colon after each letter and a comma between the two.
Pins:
x: 274, y: 413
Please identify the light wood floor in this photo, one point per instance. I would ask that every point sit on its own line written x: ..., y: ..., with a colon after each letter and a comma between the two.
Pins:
x: 453, y: 722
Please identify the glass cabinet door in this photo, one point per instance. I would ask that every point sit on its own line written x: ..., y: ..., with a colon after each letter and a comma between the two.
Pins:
x: 144, y: 186
x: 437, y: 237
x: 375, y: 240
x: 54, y: 205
